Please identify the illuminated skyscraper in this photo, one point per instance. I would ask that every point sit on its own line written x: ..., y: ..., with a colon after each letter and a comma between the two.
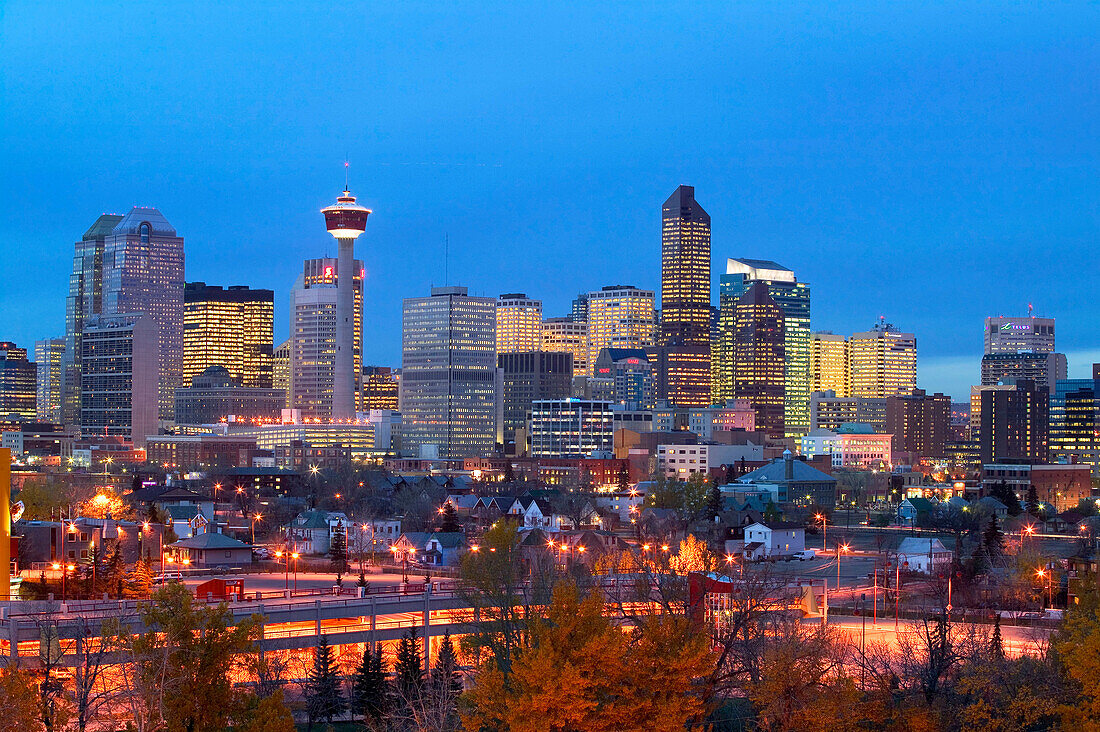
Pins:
x: 449, y: 379
x: 380, y: 387
x: 1016, y: 335
x: 346, y: 220
x: 829, y: 364
x: 759, y: 358
x: 619, y: 316
x: 49, y: 357
x: 85, y: 300
x: 280, y: 368
x: 313, y: 322
x: 683, y: 357
x: 566, y: 335
x: 519, y: 324
x: 793, y: 298
x: 232, y: 328
x: 143, y: 273
x: 120, y: 364
x: 18, y: 384
x: 882, y: 362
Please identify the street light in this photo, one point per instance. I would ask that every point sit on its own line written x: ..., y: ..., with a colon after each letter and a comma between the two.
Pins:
x: 839, y: 549
x: 824, y: 531
x: 255, y: 517
x: 1048, y: 576
x: 294, y: 556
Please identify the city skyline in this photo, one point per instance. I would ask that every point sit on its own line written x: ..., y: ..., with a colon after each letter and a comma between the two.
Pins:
x: 860, y: 149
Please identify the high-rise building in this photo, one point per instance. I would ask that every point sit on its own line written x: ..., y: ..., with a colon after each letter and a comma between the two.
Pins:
x: 830, y: 412
x: 793, y: 299
x: 883, y: 362
x: 143, y: 273
x: 346, y: 220
x: 619, y: 316
x: 829, y: 364
x: 18, y: 384
x: 571, y: 428
x: 85, y: 300
x: 683, y: 356
x: 631, y: 376
x: 1017, y: 335
x: 519, y: 324
x: 313, y: 319
x: 1045, y: 369
x: 569, y: 336
x: 232, y: 328
x: 49, y: 357
x: 1075, y: 421
x: 578, y: 310
x: 919, y: 423
x: 449, y: 379
x: 759, y: 358
x: 380, y: 385
x: 280, y: 368
x: 1015, y: 423
x: 120, y: 364
x: 525, y: 378
x: 215, y: 395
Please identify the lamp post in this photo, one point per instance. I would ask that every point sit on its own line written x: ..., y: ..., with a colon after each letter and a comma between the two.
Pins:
x: 824, y: 532
x: 255, y: 517
x: 839, y: 549
x: 294, y: 556
x: 286, y: 568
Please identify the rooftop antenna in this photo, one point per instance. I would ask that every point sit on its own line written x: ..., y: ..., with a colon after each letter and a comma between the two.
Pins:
x: 1029, y: 310
x: 346, y: 189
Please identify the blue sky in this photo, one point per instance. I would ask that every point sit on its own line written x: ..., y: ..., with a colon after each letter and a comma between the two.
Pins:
x: 933, y: 163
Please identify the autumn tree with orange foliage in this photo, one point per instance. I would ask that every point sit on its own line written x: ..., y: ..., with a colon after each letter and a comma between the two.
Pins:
x: 581, y: 671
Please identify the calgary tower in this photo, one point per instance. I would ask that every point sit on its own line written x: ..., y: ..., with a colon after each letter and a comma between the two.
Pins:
x: 345, y: 220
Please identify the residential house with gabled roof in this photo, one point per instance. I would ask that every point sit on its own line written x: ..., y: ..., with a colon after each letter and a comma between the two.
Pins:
x: 212, y: 549
x: 311, y: 532
x: 774, y: 539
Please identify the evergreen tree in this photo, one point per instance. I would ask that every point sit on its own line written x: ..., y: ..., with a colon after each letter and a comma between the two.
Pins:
x: 509, y: 475
x: 407, y: 669
x: 338, y: 548
x: 141, y: 577
x: 993, y: 538
x: 369, y: 694
x: 731, y: 474
x: 1004, y: 494
x: 623, y: 478
x: 115, y: 571
x: 714, y: 503
x: 996, y: 643
x: 771, y: 513
x: 94, y: 571
x: 362, y: 581
x: 324, y: 700
x: 445, y: 672
x: 743, y: 469
x: 449, y: 521
x: 1032, y: 501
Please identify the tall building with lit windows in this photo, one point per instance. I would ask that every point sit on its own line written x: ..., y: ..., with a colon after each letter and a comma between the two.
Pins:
x: 759, y: 358
x: 683, y: 354
x: 829, y: 364
x: 143, y: 273
x: 18, y: 384
x: 280, y: 367
x: 450, y: 385
x: 380, y: 388
x: 793, y: 299
x: 313, y: 335
x: 566, y: 335
x: 519, y: 324
x: 882, y: 362
x: 85, y: 301
x: 49, y: 357
x: 619, y: 316
x: 232, y: 328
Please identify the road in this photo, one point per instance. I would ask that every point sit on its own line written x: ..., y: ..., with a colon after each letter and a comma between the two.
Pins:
x: 1018, y: 640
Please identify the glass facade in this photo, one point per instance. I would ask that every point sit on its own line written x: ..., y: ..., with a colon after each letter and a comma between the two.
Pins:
x: 882, y: 362
x: 570, y: 428
x: 759, y: 358
x: 619, y: 316
x: 1075, y: 422
x: 519, y: 324
x: 232, y: 328
x: 18, y: 384
x: 49, y: 357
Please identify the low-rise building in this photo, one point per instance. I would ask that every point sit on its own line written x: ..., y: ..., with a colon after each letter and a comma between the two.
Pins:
x: 682, y: 461
x: 851, y: 446
x: 212, y: 549
x: 925, y: 556
x: 774, y: 539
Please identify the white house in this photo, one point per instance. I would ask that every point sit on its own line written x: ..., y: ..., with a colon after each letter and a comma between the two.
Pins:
x: 926, y: 556
x: 774, y: 539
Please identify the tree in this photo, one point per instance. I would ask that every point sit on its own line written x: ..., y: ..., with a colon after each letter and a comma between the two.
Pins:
x: 1005, y: 495
x: 1077, y: 648
x: 264, y: 714
x: 1033, y: 506
x: 324, y: 700
x: 714, y: 502
x: 993, y: 538
x: 141, y: 577
x: 603, y: 678
x: 407, y: 669
x: 509, y: 474
x: 623, y: 478
x: 771, y: 512
x: 445, y: 671
x: 731, y: 473
x: 449, y: 521
x: 688, y: 498
x: 996, y: 643
x: 115, y: 571
x: 19, y: 695
x: 693, y: 556
x: 179, y: 671
x: 369, y: 691
x: 338, y: 548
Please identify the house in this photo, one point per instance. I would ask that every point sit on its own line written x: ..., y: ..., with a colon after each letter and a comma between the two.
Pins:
x: 992, y: 506
x: 311, y: 532
x: 912, y: 509
x: 186, y: 521
x: 463, y: 503
x: 214, y: 550
x: 926, y: 556
x: 440, y: 548
x: 788, y: 479
x: 774, y: 539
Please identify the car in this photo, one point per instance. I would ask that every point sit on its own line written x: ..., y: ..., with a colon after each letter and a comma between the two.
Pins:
x: 805, y: 554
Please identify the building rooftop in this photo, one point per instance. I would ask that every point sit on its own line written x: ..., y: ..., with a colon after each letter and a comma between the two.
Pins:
x: 131, y: 222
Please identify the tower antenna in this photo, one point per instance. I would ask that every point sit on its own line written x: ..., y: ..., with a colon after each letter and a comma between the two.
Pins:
x: 346, y: 189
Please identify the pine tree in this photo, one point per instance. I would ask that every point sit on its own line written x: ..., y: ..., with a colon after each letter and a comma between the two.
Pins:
x: 731, y: 474
x: 1032, y: 501
x: 509, y: 474
x: 996, y: 644
x: 338, y: 548
x: 449, y: 522
x: 407, y: 669
x: 771, y: 513
x: 992, y: 538
x: 623, y: 478
x: 445, y: 672
x: 369, y: 695
x: 115, y: 571
x: 141, y: 577
x: 362, y: 581
x: 714, y: 503
x: 324, y: 700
